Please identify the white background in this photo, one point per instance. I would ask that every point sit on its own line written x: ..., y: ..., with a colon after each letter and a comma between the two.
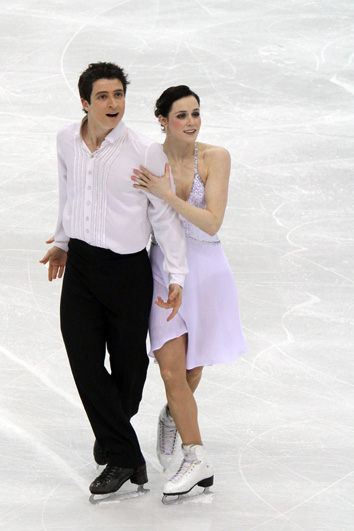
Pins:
x: 276, y: 84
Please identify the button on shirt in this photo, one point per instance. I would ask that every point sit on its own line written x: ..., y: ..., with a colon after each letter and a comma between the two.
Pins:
x: 98, y: 204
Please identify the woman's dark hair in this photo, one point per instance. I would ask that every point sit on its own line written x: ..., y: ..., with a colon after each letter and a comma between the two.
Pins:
x: 96, y: 71
x: 169, y: 96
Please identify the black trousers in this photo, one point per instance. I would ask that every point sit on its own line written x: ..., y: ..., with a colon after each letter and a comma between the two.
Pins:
x: 105, y: 304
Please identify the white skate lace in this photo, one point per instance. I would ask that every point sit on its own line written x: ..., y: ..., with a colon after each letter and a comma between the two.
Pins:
x: 167, y: 437
x: 185, y: 469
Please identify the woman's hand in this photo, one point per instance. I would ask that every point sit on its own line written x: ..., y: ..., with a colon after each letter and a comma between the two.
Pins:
x: 174, y: 300
x: 158, y: 186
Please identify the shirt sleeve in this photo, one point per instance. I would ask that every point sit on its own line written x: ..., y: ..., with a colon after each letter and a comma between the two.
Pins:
x: 60, y: 238
x: 166, y: 223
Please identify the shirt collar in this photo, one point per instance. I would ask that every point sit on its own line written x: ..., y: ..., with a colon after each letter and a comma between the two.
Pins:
x: 116, y: 133
x: 113, y: 136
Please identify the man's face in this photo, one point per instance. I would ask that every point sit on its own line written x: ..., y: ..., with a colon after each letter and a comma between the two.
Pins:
x: 107, y: 104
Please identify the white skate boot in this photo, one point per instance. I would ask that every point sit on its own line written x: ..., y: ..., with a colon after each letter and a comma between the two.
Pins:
x: 166, y: 437
x: 195, y: 469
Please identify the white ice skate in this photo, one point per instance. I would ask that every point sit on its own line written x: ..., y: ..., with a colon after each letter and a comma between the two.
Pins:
x: 195, y: 469
x: 166, y: 437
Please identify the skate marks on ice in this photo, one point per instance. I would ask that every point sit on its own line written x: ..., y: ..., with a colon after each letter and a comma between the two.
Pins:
x: 298, y: 442
x: 117, y: 497
x: 197, y: 496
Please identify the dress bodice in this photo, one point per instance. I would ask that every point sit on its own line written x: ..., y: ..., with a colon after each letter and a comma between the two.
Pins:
x: 196, y: 198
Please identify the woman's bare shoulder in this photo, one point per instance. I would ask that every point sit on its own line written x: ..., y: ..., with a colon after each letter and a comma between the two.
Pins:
x: 210, y: 153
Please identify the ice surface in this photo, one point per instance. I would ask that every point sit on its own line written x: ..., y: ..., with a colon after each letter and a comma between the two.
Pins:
x: 276, y: 83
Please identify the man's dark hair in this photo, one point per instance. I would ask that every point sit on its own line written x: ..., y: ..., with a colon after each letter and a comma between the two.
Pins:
x: 96, y: 71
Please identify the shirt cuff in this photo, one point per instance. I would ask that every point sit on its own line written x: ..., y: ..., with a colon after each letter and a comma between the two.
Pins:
x: 176, y: 279
x: 62, y: 245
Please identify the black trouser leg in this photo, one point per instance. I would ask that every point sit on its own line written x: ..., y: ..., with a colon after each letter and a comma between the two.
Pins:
x: 106, y: 300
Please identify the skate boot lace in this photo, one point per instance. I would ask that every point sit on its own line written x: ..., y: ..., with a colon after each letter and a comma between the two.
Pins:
x: 108, y: 473
x: 168, y: 436
x: 186, y: 468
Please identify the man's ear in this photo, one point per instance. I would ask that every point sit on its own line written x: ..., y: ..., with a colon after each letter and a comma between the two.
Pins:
x: 85, y: 104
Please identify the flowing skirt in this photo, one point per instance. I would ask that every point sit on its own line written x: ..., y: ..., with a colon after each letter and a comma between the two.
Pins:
x: 209, y: 313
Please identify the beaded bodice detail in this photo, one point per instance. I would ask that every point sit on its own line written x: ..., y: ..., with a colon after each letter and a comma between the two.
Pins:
x: 196, y: 198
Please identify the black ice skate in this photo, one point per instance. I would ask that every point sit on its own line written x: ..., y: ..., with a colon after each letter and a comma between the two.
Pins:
x: 113, y: 477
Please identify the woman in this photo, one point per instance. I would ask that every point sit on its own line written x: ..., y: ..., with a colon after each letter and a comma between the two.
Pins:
x: 207, y: 328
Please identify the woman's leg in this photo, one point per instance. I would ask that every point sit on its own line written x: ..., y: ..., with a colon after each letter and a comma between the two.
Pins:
x: 172, y: 362
x: 193, y: 377
x: 195, y: 468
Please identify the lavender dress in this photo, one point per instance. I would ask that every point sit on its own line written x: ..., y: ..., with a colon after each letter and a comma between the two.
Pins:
x: 209, y: 313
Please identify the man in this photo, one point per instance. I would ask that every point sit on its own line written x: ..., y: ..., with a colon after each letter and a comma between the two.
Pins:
x: 100, y: 239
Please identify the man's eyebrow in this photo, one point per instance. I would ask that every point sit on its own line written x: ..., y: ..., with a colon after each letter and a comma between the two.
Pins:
x: 106, y: 91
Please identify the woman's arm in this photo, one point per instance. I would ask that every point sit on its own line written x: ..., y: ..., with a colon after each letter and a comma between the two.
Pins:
x: 217, y: 161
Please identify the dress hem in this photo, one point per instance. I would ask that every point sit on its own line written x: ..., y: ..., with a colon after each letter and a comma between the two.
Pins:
x: 210, y: 364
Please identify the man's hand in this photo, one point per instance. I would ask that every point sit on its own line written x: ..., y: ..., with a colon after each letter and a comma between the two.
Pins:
x: 57, y: 260
x: 174, y: 300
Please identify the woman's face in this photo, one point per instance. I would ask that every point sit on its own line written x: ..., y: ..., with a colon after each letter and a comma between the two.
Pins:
x: 183, y: 121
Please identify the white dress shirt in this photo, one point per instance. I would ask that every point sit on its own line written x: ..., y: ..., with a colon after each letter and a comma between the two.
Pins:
x: 98, y: 204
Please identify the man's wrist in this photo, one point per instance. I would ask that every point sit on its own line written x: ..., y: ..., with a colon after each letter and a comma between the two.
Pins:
x: 61, y: 245
x: 176, y: 279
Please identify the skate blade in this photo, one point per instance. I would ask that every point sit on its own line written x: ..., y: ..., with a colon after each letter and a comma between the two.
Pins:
x: 188, y: 497
x: 117, y: 497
